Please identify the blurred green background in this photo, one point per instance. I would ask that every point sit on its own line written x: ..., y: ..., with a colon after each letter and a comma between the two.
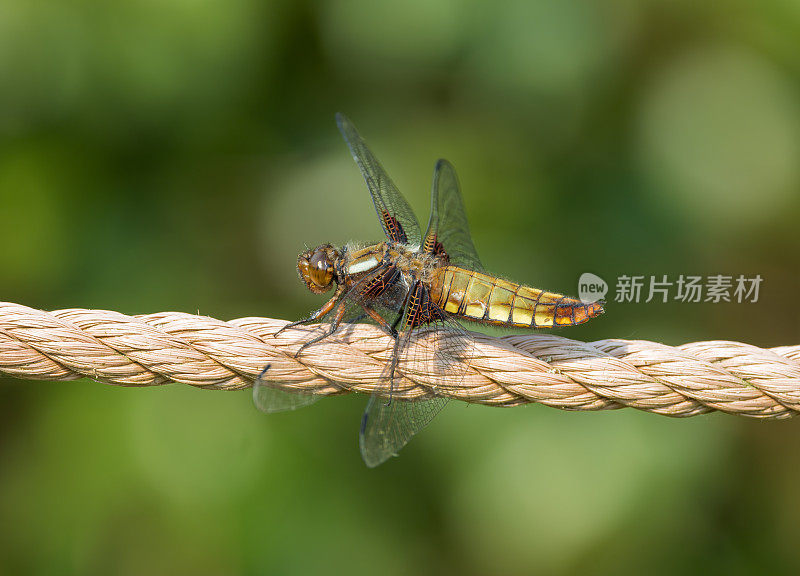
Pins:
x: 177, y: 155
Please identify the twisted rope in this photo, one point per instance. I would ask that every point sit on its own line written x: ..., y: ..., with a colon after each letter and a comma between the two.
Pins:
x: 155, y: 349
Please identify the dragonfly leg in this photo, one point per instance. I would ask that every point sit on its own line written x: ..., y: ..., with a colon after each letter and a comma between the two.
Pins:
x: 395, y: 360
x: 381, y: 321
x: 263, y: 372
x: 334, y: 326
x: 316, y: 314
x: 410, y: 309
x: 402, y: 310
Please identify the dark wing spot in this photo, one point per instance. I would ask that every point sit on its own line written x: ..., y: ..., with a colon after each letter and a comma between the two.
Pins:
x: 380, y: 281
x: 436, y: 248
x: 394, y: 228
x: 421, y: 309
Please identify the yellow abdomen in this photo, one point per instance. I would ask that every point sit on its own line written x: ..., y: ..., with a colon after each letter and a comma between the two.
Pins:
x: 483, y: 298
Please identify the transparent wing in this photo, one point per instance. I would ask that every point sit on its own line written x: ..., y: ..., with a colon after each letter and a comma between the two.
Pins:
x: 388, y: 426
x: 448, y: 223
x: 270, y: 399
x: 397, y: 219
x: 435, y: 355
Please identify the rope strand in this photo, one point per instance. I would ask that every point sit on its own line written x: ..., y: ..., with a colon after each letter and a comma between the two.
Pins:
x: 156, y: 349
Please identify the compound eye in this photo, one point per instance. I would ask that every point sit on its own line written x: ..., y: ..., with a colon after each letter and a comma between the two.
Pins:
x: 320, y: 261
x: 316, y: 269
x: 322, y: 278
x: 318, y: 272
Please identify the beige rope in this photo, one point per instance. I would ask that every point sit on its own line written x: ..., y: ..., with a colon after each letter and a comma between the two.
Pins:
x: 156, y: 349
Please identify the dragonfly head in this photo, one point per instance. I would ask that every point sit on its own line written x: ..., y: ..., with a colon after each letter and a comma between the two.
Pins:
x: 317, y: 269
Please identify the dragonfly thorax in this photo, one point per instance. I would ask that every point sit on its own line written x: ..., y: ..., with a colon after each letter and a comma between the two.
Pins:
x: 412, y: 263
x: 317, y: 268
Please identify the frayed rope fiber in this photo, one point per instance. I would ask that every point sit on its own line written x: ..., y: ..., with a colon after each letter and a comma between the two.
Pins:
x: 167, y: 347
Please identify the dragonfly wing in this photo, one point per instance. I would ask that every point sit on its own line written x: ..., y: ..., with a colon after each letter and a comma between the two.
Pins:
x: 448, y: 222
x: 437, y: 355
x: 387, y: 426
x: 270, y: 399
x: 398, y: 220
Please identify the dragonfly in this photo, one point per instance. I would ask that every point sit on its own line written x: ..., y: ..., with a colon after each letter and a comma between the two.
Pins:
x: 416, y: 287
